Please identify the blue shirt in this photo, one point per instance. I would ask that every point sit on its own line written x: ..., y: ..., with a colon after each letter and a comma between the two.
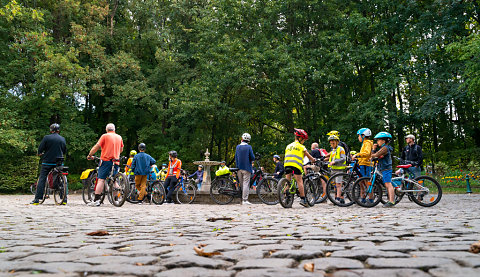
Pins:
x: 141, y: 163
x: 244, y: 157
x: 198, y: 173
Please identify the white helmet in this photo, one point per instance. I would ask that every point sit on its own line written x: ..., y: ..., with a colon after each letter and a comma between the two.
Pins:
x: 246, y: 137
x: 365, y: 131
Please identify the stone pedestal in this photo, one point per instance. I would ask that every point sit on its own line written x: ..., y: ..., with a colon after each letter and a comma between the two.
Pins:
x: 207, y: 179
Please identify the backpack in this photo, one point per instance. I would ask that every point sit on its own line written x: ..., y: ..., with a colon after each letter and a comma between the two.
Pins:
x: 347, y: 151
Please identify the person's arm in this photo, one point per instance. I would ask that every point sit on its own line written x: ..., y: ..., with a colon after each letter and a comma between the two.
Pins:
x: 309, y: 156
x: 419, y: 155
x: 152, y: 161
x: 193, y: 175
x: 41, y: 147
x: 94, y: 150
x: 380, y: 152
x: 281, y: 169
x: 365, y: 151
x: 134, y: 163
x: 179, y: 167
x: 251, y: 155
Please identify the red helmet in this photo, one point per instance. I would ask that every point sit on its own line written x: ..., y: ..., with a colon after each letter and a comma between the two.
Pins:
x: 301, y: 133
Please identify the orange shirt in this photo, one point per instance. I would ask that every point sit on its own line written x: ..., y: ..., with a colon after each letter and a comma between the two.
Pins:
x: 174, y: 168
x: 111, y: 145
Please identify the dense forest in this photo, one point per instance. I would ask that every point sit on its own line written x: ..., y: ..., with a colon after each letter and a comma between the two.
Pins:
x: 189, y: 75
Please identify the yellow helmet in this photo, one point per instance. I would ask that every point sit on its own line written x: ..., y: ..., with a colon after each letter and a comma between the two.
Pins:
x: 353, y: 152
x: 333, y: 133
x: 133, y: 153
x: 333, y: 137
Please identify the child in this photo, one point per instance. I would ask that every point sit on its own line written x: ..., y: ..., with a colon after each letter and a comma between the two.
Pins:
x: 199, y: 176
x: 128, y: 170
x: 338, y: 162
x: 294, y: 154
x: 141, y: 164
x: 364, y: 157
x: 385, y: 164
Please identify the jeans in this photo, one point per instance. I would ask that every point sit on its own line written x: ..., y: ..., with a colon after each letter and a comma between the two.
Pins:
x: 42, y: 180
x: 169, y: 186
x: 244, y: 180
x: 414, y: 171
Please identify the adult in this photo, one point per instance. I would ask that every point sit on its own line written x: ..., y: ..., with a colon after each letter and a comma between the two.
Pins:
x: 279, y: 169
x: 173, y: 173
x: 317, y: 154
x: 141, y: 167
x: 111, y: 145
x: 51, y: 147
x: 412, y: 154
x: 243, y: 159
x: 198, y: 176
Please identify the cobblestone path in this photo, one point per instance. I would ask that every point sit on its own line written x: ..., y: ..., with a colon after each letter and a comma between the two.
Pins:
x: 150, y: 240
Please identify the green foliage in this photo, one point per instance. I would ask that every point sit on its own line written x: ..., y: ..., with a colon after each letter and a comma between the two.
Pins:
x: 441, y: 168
x: 17, y: 177
x: 474, y: 167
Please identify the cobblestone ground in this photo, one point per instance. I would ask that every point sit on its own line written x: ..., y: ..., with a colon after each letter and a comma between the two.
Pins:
x: 150, y: 240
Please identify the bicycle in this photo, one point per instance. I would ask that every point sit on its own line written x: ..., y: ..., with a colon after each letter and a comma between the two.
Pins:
x: 368, y: 195
x: 287, y: 189
x: 318, y: 179
x: 89, y: 180
x: 115, y: 187
x: 348, y: 179
x: 226, y: 187
x: 57, y: 183
x: 266, y: 185
x: 186, y: 189
x: 155, y: 192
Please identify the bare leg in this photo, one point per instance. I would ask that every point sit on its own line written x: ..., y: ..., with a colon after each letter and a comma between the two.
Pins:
x: 299, y: 180
x: 100, y: 185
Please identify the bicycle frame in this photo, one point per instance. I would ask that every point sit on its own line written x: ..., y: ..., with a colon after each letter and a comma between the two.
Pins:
x: 414, y: 184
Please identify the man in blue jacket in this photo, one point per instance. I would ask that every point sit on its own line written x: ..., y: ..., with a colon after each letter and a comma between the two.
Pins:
x: 243, y: 159
x: 141, y: 164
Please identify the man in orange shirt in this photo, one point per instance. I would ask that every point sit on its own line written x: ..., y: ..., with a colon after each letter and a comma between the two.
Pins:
x: 111, y: 145
x: 173, y: 173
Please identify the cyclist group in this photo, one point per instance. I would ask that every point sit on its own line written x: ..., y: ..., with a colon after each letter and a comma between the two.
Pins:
x: 53, y: 146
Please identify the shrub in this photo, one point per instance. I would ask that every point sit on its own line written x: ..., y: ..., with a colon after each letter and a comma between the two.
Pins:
x: 441, y: 168
x: 17, y: 177
x: 474, y: 167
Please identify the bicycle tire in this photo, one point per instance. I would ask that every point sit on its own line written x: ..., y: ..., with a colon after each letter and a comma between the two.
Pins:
x: 347, y: 183
x: 419, y: 197
x: 132, y: 195
x: 45, y: 194
x: 158, y: 193
x: 88, y: 192
x: 267, y: 191
x: 186, y: 194
x: 60, y: 192
x: 216, y: 190
x: 321, y: 194
x: 285, y: 198
x: 357, y: 194
x: 117, y: 189
x: 33, y: 188
x: 309, y: 188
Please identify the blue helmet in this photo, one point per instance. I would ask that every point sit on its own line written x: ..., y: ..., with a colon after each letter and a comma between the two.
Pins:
x: 383, y: 135
x: 276, y: 157
x: 364, y: 131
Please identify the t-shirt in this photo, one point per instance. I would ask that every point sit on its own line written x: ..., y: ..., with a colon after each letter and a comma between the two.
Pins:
x: 111, y: 145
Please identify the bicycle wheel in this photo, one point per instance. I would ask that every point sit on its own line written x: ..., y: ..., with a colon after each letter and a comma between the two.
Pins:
x: 346, y: 186
x: 88, y: 192
x: 267, y: 191
x: 45, y: 194
x: 360, y: 193
x: 117, y: 189
x: 60, y: 191
x: 132, y: 194
x: 158, y: 193
x: 310, y: 192
x: 284, y: 196
x: 221, y: 189
x: 431, y: 194
x: 321, y: 193
x: 186, y: 193
x: 33, y: 188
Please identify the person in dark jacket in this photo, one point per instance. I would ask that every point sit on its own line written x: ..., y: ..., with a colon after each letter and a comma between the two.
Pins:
x: 412, y: 154
x: 141, y: 164
x: 243, y: 159
x: 279, y: 169
x: 51, y: 147
x: 198, y: 176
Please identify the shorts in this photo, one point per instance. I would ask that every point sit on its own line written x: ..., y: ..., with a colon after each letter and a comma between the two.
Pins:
x: 339, y: 179
x: 105, y: 168
x: 295, y: 170
x: 365, y: 170
x: 387, y: 176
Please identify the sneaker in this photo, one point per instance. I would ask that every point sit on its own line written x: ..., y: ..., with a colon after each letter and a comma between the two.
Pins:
x: 246, y: 203
x: 363, y: 200
x: 94, y: 203
x: 34, y: 202
x: 388, y: 204
x: 304, y: 203
x: 64, y: 203
x: 370, y: 200
x: 341, y: 200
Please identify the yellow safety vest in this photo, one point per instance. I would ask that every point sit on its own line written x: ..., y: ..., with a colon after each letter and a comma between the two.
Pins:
x: 335, y: 155
x: 222, y: 171
x: 294, y: 154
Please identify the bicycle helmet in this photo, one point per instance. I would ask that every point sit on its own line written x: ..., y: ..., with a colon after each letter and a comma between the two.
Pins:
x: 173, y: 153
x: 383, y: 135
x: 333, y: 137
x: 333, y: 133
x: 353, y: 152
x: 133, y: 153
x: 246, y: 137
x: 276, y: 157
x: 142, y: 146
x: 201, y: 166
x: 364, y: 132
x: 55, y: 127
x: 222, y: 162
x: 301, y: 133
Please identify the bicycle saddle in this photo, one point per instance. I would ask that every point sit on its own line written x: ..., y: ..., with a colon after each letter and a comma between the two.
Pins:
x: 404, y: 166
x: 233, y: 169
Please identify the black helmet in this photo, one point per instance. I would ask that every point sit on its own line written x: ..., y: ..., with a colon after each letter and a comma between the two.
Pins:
x: 142, y: 146
x: 173, y: 153
x: 55, y: 127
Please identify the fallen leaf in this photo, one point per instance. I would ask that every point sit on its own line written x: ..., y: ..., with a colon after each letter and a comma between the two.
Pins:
x: 172, y: 244
x: 202, y: 245
x: 180, y: 235
x: 107, y: 255
x: 271, y: 252
x: 202, y: 253
x: 124, y: 249
x: 11, y: 271
x: 310, y: 267
x: 213, y: 219
x: 414, y: 256
x: 328, y: 254
x: 139, y: 264
x: 262, y: 237
x: 475, y: 247
x: 98, y: 233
